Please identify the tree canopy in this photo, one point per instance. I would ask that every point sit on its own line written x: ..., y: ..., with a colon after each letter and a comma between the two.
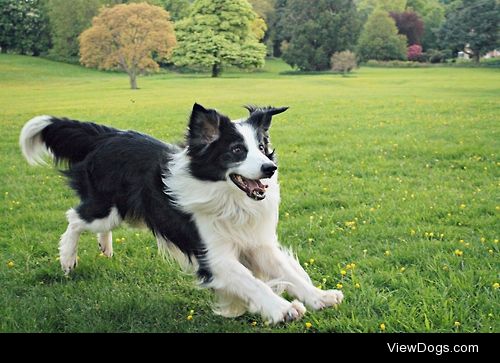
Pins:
x: 128, y: 37
x: 380, y: 39
x: 218, y: 33
x: 24, y: 26
x: 471, y: 26
x: 313, y: 33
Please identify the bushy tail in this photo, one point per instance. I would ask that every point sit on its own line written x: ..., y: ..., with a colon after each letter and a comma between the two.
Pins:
x: 65, y: 139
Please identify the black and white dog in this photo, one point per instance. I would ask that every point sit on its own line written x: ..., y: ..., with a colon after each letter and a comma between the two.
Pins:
x: 211, y: 203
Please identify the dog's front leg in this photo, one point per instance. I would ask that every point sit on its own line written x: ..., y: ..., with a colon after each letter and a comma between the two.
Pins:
x: 230, y: 277
x: 281, y: 265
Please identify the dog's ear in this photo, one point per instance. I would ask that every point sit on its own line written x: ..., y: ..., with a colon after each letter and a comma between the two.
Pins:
x: 203, y: 125
x: 262, y: 116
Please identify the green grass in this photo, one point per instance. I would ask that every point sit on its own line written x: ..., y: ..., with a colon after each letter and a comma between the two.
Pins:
x: 397, y: 160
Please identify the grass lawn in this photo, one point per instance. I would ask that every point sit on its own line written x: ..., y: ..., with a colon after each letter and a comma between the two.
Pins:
x: 393, y: 171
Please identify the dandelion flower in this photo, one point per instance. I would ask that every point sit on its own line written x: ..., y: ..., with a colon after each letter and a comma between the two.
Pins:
x: 462, y: 206
x: 287, y: 214
x: 343, y: 272
x: 496, y: 285
x: 483, y: 239
x: 357, y: 285
x: 323, y: 280
x: 10, y: 264
x: 382, y: 327
x: 496, y: 241
x: 308, y: 325
x: 458, y: 252
x: 310, y: 240
x: 311, y: 261
x: 412, y: 232
x: 490, y: 252
x: 339, y: 286
x: 191, y: 312
x: 445, y: 267
x: 353, y: 265
x: 461, y: 241
x: 189, y: 317
x: 320, y: 287
x: 402, y: 269
x: 348, y: 266
x: 387, y: 253
x: 457, y: 324
x: 254, y: 323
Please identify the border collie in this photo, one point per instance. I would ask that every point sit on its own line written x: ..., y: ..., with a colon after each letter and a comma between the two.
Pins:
x: 212, y: 203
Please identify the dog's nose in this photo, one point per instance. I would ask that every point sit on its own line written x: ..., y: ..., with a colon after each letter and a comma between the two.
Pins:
x: 268, y: 169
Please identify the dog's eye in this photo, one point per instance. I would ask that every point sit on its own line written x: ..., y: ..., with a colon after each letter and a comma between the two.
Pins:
x: 237, y: 150
x: 262, y: 148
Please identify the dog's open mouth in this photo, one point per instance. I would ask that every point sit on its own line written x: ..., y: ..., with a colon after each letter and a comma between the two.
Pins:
x: 254, y: 188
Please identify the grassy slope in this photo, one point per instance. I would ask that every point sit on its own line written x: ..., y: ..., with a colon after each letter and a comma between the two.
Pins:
x: 397, y: 160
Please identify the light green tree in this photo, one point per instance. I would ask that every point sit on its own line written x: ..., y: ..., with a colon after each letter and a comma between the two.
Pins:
x: 380, y: 39
x: 218, y: 33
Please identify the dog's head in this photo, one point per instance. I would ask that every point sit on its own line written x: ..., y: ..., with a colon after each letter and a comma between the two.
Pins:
x: 236, y: 152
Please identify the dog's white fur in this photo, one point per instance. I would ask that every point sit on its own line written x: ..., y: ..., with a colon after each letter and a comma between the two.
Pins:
x: 242, y: 248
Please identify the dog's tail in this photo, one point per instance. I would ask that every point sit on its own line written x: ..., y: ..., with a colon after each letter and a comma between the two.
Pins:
x: 66, y: 140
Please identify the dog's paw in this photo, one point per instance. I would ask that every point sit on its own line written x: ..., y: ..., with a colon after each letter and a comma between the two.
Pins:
x: 290, y: 312
x: 324, y: 298
x: 105, y: 242
x: 68, y: 263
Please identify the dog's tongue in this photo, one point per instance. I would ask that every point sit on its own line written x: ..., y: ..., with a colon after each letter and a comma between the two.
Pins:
x: 255, y: 186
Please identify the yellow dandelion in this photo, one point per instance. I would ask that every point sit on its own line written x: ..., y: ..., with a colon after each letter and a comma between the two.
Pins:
x: 457, y: 324
x: 445, y: 267
x: 323, y: 280
x: 497, y: 207
x: 101, y: 254
x: 490, y: 252
x: 372, y: 209
x: 310, y: 240
x: 320, y: 287
x: 311, y: 261
x: 306, y: 264
x: 431, y: 234
x: 343, y: 272
x: 189, y: 317
x: 387, y: 253
x: 461, y: 241
x: 353, y: 265
x: 426, y: 234
x: 287, y: 214
x: 467, y: 244
x: 402, y: 269
x: 357, y: 285
x: 311, y: 218
x: 462, y: 206
x: 412, y: 232
x: 382, y: 327
x: 254, y: 323
x: 483, y: 239
x: 348, y: 266
x: 495, y: 240
x: 10, y: 264
x: 496, y: 285
x: 339, y: 286
x: 308, y: 325
x: 191, y: 312
x: 458, y: 252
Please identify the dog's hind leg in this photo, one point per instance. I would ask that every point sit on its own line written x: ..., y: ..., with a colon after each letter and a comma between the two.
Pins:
x: 68, y: 245
x: 92, y: 218
x: 105, y: 240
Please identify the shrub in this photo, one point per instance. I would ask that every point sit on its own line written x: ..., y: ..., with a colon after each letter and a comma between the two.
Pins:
x: 414, y: 52
x: 343, y: 62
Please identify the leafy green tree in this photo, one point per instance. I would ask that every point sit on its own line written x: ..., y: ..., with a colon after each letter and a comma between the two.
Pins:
x: 313, y: 33
x: 24, y: 27
x: 380, y: 39
x: 68, y: 20
x: 471, y: 26
x: 367, y: 7
x: 218, y: 33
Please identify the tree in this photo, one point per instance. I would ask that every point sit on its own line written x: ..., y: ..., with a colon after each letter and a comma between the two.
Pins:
x: 313, y: 33
x: 128, y: 37
x: 380, y: 39
x: 218, y: 33
x: 409, y: 24
x: 471, y: 26
x: 68, y: 19
x: 24, y: 27
x: 343, y: 62
x: 367, y: 7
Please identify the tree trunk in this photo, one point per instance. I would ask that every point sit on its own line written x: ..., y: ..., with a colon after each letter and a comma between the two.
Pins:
x: 216, y: 70
x: 475, y: 57
x: 133, y: 80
